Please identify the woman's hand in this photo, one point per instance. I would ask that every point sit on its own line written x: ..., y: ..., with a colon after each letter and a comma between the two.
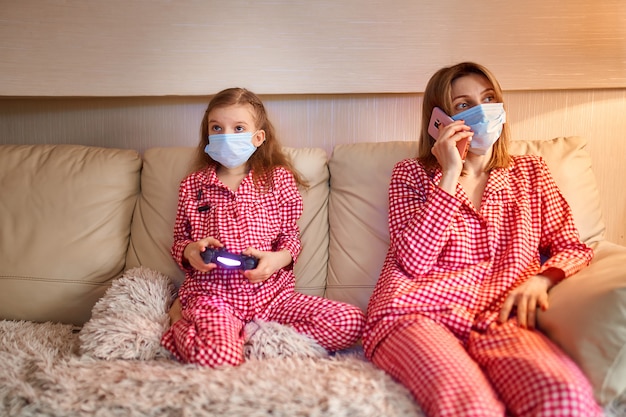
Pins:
x: 527, y: 297
x: 192, y: 253
x: 445, y: 149
x: 269, y: 263
x: 447, y: 154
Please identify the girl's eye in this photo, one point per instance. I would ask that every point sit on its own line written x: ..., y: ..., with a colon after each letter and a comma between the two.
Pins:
x: 215, y: 128
x: 240, y: 129
x: 489, y: 99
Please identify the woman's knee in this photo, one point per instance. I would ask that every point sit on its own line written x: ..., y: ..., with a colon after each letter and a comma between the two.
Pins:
x: 429, y: 361
x: 561, y: 393
x: 552, y: 383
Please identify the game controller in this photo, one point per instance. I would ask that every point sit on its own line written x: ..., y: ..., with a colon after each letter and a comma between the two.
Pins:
x: 225, y: 259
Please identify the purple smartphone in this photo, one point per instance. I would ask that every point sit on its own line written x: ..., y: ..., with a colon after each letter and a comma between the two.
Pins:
x: 440, y: 119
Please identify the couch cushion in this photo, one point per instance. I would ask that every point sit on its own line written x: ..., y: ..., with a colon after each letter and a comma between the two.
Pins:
x: 357, y: 215
x: 153, y: 222
x: 587, y: 318
x: 65, y: 217
x: 358, y: 205
x: 570, y: 165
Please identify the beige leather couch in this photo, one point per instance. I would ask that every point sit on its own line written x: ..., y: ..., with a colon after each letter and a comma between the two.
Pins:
x: 74, y: 218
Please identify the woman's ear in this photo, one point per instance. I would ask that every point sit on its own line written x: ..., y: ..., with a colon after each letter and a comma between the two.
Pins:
x: 258, y: 138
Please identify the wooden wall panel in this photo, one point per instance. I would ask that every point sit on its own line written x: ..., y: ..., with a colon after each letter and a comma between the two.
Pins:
x: 190, y: 47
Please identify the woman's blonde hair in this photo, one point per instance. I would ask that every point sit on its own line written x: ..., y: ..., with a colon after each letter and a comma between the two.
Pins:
x: 267, y: 156
x: 438, y: 93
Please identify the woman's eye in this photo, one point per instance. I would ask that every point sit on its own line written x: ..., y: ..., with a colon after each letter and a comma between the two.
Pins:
x: 461, y: 106
x: 240, y: 129
x: 489, y: 99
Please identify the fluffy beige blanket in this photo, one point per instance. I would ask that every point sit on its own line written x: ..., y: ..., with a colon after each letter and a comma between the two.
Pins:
x: 114, y: 366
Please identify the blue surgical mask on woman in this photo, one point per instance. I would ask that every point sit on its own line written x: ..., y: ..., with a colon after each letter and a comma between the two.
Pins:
x: 486, y: 121
x: 231, y: 149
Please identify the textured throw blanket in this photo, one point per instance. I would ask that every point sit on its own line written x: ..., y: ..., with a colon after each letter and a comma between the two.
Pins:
x: 115, y: 366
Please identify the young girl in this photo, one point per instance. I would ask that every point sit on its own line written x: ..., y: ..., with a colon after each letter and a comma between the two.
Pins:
x: 243, y: 198
x: 453, y: 314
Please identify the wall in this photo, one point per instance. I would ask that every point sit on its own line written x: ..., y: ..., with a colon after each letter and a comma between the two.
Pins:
x: 191, y: 47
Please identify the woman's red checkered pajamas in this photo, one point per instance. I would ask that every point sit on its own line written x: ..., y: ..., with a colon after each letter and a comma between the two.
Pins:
x: 432, y: 320
x: 217, y: 304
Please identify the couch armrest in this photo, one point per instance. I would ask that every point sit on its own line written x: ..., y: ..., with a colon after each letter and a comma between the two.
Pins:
x: 587, y: 318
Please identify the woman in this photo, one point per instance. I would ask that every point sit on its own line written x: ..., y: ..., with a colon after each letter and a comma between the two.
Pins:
x: 453, y: 314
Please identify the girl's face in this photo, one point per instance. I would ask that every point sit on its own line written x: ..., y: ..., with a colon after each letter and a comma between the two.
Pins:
x: 231, y: 119
x: 471, y: 90
x: 238, y: 118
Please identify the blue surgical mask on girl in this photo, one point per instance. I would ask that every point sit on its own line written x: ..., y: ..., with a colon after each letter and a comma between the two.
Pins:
x: 231, y: 149
x: 486, y: 121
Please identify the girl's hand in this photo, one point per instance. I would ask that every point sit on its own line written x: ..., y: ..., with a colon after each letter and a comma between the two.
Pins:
x: 526, y: 298
x: 269, y: 263
x: 192, y: 253
x: 176, y: 311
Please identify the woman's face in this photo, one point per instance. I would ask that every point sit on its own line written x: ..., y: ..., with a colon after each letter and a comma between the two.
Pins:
x: 471, y: 90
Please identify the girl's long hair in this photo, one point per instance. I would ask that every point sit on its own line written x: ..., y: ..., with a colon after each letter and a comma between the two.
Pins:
x: 438, y: 93
x: 267, y: 156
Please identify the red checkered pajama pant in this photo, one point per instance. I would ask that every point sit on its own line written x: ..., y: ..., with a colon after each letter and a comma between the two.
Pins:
x: 211, y: 332
x: 503, y: 371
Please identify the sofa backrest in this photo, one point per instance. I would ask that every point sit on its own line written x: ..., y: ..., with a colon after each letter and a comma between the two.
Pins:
x: 72, y: 218
x: 65, y: 217
x: 153, y: 222
x: 570, y: 165
x: 358, y: 205
x: 357, y: 210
